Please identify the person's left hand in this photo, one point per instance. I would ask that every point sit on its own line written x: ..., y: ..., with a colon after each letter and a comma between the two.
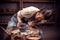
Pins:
x: 31, y: 23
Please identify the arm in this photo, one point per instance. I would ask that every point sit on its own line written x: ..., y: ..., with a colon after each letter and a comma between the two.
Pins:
x: 38, y: 17
x: 19, y: 21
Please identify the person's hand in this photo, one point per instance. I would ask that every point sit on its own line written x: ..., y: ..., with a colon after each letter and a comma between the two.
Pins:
x: 31, y: 23
x: 8, y: 31
x: 18, y: 24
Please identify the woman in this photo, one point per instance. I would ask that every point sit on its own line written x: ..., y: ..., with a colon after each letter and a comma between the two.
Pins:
x: 29, y: 15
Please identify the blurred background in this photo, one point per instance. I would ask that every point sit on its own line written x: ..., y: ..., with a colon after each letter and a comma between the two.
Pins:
x: 10, y: 7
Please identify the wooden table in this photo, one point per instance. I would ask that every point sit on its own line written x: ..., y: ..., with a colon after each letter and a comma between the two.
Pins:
x: 33, y: 38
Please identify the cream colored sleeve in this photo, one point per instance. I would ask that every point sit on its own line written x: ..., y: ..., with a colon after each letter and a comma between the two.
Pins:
x: 19, y: 14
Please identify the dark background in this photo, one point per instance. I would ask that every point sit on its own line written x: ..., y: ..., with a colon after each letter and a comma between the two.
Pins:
x: 50, y: 29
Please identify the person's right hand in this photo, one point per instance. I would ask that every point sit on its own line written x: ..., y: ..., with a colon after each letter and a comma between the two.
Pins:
x: 18, y: 24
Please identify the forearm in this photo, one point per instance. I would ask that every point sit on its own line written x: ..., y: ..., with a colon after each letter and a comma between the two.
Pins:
x: 19, y: 21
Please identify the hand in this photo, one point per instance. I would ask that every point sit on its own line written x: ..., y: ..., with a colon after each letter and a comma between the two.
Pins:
x: 8, y: 31
x: 31, y: 23
x: 18, y: 24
